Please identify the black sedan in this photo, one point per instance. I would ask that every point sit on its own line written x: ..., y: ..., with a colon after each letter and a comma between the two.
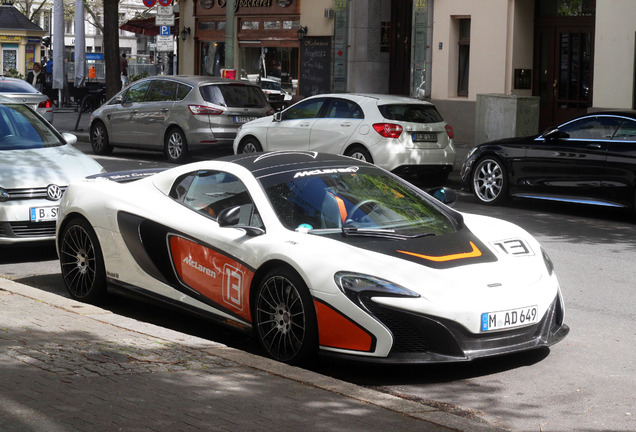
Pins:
x: 589, y: 160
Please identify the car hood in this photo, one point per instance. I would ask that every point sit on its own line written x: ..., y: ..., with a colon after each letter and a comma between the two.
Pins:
x: 438, y: 268
x: 41, y: 167
x: 263, y: 121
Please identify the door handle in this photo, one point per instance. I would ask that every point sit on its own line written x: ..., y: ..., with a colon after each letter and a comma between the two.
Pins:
x: 345, y: 124
x: 593, y: 146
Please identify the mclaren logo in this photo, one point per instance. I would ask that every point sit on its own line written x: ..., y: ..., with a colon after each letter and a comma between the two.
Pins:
x: 53, y: 192
x: 195, y: 265
x: 352, y: 169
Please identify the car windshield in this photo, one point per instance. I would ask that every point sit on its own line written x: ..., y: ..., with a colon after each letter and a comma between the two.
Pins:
x: 17, y: 86
x: 412, y: 113
x: 20, y: 129
x: 234, y: 95
x: 353, y: 199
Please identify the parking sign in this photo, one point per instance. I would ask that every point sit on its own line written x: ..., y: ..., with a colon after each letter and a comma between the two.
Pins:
x: 164, y: 30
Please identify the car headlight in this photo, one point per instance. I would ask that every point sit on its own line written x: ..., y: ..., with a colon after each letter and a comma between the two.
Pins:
x: 4, y: 195
x: 549, y: 265
x: 354, y: 284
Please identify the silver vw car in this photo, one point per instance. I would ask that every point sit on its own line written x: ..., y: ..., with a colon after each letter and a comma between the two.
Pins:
x: 177, y: 115
x: 37, y: 163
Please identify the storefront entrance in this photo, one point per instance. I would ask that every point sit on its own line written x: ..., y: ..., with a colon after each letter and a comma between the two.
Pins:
x: 400, y: 64
x: 564, y: 55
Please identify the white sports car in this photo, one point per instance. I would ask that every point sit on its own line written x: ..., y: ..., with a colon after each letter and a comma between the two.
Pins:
x: 314, y: 252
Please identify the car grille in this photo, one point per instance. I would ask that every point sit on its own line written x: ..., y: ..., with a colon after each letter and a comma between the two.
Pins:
x: 29, y: 193
x: 414, y: 333
x: 27, y: 229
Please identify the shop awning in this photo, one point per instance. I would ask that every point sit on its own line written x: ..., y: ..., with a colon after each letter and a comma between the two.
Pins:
x: 147, y: 26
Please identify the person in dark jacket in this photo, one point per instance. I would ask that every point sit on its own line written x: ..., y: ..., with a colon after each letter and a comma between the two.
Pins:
x: 36, y: 77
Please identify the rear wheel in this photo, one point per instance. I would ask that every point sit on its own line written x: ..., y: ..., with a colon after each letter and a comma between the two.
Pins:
x: 360, y: 153
x: 176, y: 147
x: 82, y: 262
x: 250, y: 145
x: 490, y: 181
x: 99, y: 139
x: 284, y: 317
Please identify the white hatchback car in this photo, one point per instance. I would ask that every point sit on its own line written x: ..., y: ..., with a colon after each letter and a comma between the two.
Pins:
x: 36, y: 165
x: 400, y: 134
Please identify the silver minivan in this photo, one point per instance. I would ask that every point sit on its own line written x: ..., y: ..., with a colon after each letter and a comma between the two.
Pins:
x: 177, y: 115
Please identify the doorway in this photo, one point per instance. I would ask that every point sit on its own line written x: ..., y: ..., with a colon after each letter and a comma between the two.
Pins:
x: 564, y: 57
x: 400, y: 63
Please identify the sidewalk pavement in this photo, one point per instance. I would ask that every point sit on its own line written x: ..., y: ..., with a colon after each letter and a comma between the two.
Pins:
x: 69, y: 366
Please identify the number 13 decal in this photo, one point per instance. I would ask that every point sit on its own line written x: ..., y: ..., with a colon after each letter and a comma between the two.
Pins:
x: 515, y: 247
x: 233, y: 286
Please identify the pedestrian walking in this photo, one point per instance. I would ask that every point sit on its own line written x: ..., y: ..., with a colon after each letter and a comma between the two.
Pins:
x: 123, y: 70
x: 36, y: 77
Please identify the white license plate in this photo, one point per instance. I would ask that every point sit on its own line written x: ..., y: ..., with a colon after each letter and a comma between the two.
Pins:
x: 43, y: 214
x: 243, y: 119
x: 424, y: 137
x: 509, y: 318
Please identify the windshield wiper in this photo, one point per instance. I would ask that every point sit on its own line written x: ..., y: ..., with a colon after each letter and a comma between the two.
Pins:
x: 349, y: 231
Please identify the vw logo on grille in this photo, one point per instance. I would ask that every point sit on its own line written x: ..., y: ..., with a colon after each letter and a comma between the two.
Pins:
x: 53, y: 192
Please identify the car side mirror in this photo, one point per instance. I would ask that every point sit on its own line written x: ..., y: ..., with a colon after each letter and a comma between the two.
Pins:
x: 230, y: 217
x: 278, y: 116
x: 446, y: 195
x: 69, y: 138
x: 119, y: 100
x: 554, y: 133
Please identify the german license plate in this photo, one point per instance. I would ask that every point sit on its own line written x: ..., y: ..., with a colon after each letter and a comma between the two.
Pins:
x: 509, y: 318
x: 43, y: 214
x: 243, y: 119
x: 424, y: 136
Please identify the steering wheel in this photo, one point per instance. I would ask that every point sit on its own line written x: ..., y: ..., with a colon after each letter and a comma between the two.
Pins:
x: 357, y: 207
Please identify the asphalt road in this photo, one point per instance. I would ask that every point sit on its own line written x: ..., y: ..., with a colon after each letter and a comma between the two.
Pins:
x: 585, y: 383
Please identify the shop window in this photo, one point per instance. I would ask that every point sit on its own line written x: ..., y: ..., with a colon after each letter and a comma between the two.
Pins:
x: 207, y: 25
x: 250, y: 25
x: 289, y: 25
x: 271, y: 25
x: 464, y: 57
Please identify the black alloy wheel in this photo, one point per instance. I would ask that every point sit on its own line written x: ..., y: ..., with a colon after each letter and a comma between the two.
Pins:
x: 82, y: 262
x: 285, y: 318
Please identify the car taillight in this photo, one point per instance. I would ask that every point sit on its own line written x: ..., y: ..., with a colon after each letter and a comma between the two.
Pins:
x: 45, y: 104
x: 388, y: 130
x: 204, y: 110
x: 450, y: 132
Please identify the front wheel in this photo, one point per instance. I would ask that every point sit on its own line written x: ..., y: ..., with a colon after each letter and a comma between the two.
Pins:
x: 284, y: 317
x: 250, y: 145
x: 176, y: 147
x: 82, y: 262
x: 490, y: 181
x: 99, y: 139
